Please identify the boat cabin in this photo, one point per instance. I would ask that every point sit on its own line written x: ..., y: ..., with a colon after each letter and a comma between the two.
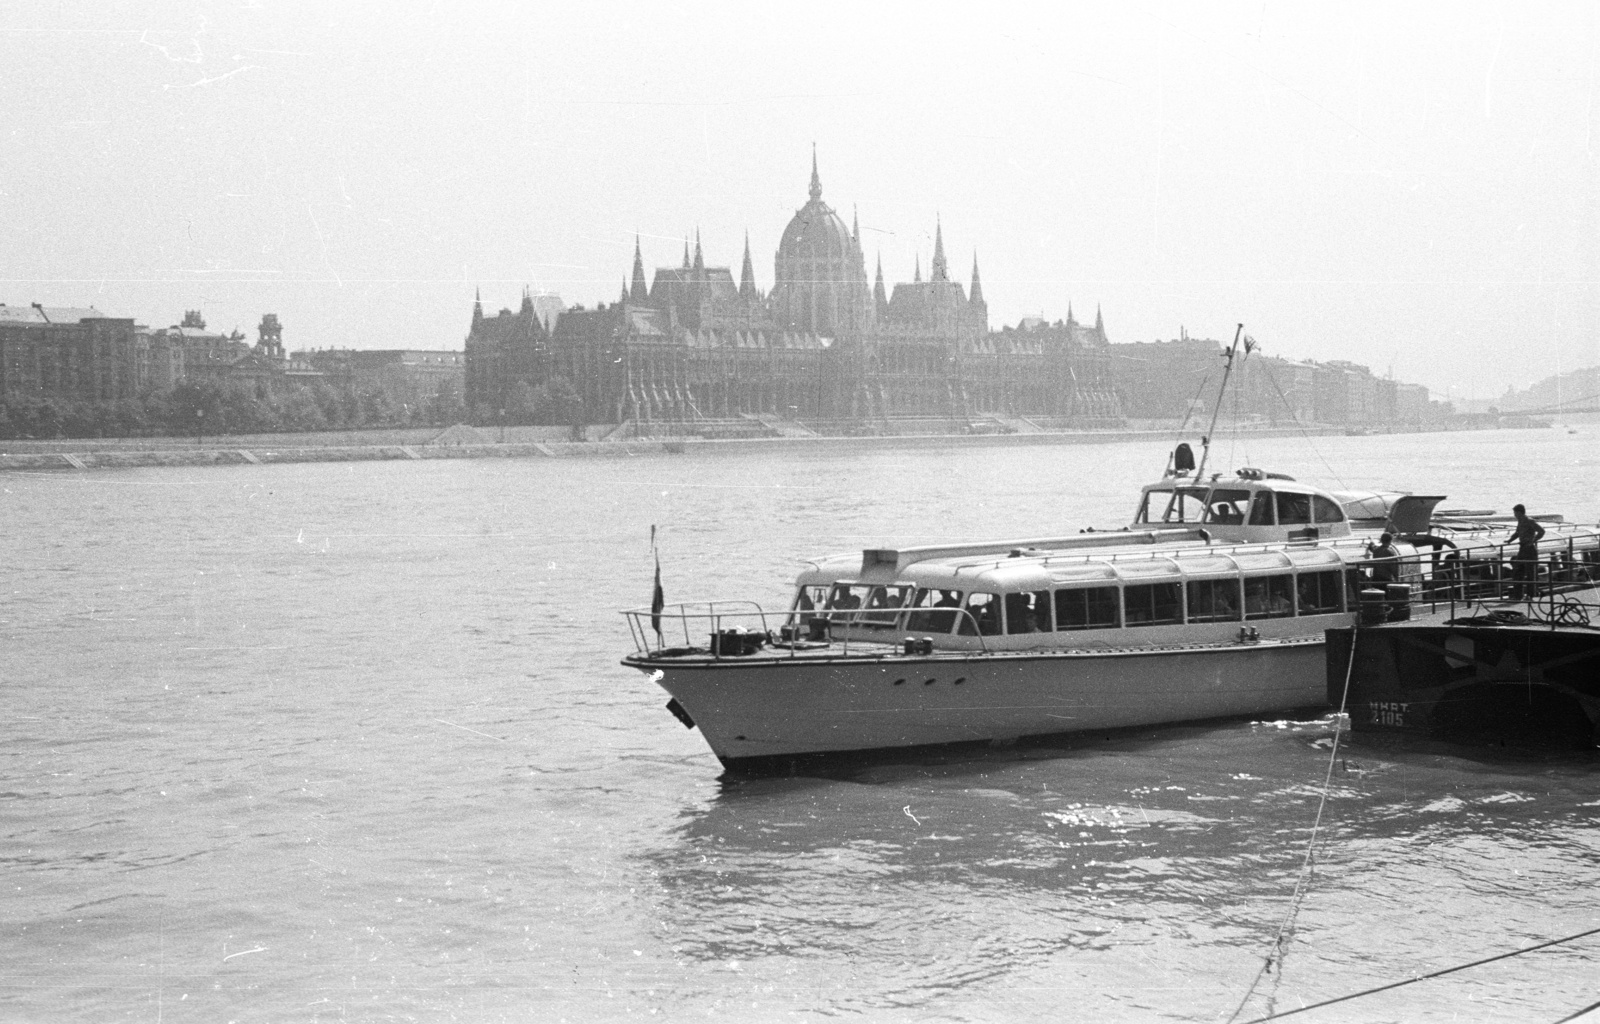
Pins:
x: 1107, y: 598
x: 1255, y: 507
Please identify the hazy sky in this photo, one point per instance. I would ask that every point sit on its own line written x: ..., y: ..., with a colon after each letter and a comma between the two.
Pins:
x: 1413, y: 187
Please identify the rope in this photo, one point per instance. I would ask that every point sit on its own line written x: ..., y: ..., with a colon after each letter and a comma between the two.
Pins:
x: 1238, y: 396
x: 1308, y: 864
x: 1580, y: 1013
x: 1440, y: 974
x: 1567, y: 613
x: 1266, y: 369
x: 1189, y: 413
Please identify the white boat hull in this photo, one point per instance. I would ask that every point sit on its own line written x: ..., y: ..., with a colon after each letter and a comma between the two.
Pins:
x: 768, y: 706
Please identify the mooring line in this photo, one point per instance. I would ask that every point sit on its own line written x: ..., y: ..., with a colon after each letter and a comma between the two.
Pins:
x: 1308, y: 864
x: 1439, y: 974
x: 1580, y: 1013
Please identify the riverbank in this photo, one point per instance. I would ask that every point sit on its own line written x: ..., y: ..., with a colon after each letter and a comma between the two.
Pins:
x: 465, y: 443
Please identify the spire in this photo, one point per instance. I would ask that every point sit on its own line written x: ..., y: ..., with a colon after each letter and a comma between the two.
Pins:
x: 977, y: 285
x: 477, y: 309
x: 1070, y: 319
x: 624, y: 296
x: 878, y: 296
x: 1099, y: 323
x: 699, y: 260
x: 747, y: 274
x: 816, y: 180
x: 855, y: 227
x: 917, y: 278
x: 939, y: 271
x: 639, y: 293
x: 686, y: 263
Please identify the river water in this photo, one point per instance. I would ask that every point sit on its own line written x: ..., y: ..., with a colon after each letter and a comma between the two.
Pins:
x: 350, y: 741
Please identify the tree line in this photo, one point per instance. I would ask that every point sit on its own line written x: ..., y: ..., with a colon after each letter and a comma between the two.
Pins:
x: 228, y: 407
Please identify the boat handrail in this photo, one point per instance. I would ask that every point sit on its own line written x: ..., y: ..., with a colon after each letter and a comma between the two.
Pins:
x: 857, y: 617
x: 1568, y: 532
x: 714, y: 612
x: 844, y: 619
x: 1479, y: 574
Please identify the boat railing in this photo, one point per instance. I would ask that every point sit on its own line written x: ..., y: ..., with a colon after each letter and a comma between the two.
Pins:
x: 735, y: 628
x: 1456, y: 580
x: 670, y: 620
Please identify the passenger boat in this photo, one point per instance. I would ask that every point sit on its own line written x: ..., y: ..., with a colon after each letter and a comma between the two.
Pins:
x: 1213, y: 602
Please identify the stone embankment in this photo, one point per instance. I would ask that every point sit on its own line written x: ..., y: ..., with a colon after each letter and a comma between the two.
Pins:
x: 466, y: 443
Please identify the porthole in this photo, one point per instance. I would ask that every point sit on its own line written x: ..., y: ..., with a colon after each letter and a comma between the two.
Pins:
x: 959, y: 681
x: 927, y: 682
x: 899, y: 682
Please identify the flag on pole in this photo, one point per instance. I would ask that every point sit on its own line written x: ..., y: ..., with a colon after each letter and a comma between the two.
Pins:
x: 658, y: 599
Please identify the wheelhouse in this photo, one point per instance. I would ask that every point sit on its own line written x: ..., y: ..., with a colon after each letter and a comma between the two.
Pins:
x: 1254, y: 507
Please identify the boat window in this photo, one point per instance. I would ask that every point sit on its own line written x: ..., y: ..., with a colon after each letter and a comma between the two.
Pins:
x: 1268, y: 597
x: 984, y: 609
x: 1261, y: 509
x: 846, y: 597
x: 1188, y: 505
x: 1227, y: 507
x: 1151, y: 506
x: 884, y: 604
x: 1086, y: 608
x: 1028, y: 612
x: 808, y: 600
x: 1213, y: 600
x: 933, y: 610
x: 1293, y: 509
x: 1152, y: 604
x: 1320, y: 592
x: 1327, y: 510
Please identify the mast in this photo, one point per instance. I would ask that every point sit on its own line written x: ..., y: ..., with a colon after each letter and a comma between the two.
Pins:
x: 1205, y: 440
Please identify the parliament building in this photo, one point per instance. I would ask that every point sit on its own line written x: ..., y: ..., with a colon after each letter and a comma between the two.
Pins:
x: 824, y: 346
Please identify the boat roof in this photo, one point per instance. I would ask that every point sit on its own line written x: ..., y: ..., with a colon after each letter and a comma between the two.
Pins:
x: 1043, y: 570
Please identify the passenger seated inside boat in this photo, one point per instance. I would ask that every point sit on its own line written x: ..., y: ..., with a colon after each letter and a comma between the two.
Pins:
x: 884, y: 605
x: 1213, y: 600
x: 933, y: 611
x: 1268, y: 597
x: 808, y: 601
x: 1319, y: 592
x: 1028, y: 612
x: 983, y: 610
x: 1227, y: 507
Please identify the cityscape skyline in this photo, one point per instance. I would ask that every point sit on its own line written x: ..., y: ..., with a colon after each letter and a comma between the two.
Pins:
x: 1414, y: 190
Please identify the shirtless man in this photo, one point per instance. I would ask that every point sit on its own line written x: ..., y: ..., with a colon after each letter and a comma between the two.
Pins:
x: 1525, y: 567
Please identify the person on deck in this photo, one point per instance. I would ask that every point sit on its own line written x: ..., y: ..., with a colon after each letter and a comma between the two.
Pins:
x: 1385, y: 561
x: 1525, y: 566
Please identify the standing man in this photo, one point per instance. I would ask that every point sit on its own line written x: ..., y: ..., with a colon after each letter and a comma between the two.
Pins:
x: 1525, y: 567
x: 1385, y: 560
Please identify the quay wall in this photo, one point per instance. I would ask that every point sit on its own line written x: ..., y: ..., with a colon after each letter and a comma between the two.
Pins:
x: 120, y: 454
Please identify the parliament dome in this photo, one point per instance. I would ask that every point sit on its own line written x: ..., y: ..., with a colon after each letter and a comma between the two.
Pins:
x: 815, y: 231
x: 820, y: 282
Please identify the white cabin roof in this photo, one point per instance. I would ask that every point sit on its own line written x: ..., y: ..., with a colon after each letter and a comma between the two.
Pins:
x: 1111, y: 565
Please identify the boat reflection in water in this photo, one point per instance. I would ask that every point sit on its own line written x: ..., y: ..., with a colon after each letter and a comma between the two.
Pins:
x: 1214, y: 602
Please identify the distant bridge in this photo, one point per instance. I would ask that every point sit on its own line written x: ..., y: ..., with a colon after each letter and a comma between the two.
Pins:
x: 1560, y: 408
